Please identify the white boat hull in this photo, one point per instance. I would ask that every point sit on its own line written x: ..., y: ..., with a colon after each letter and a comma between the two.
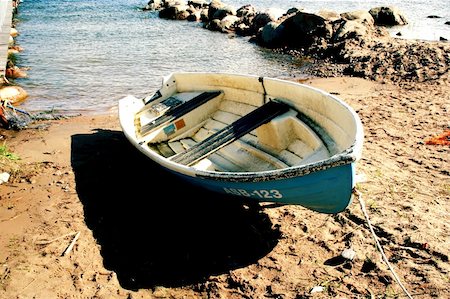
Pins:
x: 304, y: 155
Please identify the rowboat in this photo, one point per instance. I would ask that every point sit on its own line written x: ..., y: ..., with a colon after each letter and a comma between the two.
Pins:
x: 270, y: 140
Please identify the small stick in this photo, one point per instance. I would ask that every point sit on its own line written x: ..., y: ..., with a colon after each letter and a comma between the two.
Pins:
x: 69, y: 248
x: 12, y: 218
x: 403, y: 247
x: 46, y: 242
x: 34, y: 279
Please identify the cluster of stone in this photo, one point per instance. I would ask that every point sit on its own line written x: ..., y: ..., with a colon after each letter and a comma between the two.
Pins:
x: 274, y: 28
x: 354, y: 43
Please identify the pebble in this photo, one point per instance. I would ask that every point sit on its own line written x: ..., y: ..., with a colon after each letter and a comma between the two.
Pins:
x: 317, y: 289
x: 4, y: 177
x: 348, y: 254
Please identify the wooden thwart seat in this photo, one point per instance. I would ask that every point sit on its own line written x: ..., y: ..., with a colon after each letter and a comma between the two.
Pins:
x: 179, y: 110
x: 230, y: 133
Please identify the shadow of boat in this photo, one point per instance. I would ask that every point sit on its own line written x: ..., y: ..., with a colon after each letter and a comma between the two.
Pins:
x: 155, y: 229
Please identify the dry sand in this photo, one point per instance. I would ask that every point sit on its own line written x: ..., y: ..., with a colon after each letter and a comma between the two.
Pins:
x: 145, y: 234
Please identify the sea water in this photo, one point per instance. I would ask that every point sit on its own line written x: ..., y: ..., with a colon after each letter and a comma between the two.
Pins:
x: 84, y: 55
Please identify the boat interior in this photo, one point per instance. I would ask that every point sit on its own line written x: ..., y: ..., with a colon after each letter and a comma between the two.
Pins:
x: 222, y: 130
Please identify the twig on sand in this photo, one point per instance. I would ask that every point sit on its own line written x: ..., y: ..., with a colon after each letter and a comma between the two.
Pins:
x: 46, y: 242
x: 12, y: 218
x: 34, y: 279
x: 69, y: 248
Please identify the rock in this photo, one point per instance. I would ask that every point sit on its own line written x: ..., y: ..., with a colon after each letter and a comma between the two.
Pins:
x: 214, y: 6
x: 183, y: 14
x: 13, y: 94
x: 348, y: 254
x: 15, y: 48
x: 214, y: 25
x: 4, y: 177
x: 223, y: 12
x: 153, y: 5
x: 305, y: 24
x: 329, y: 15
x: 15, y: 72
x: 176, y: 12
x: 194, y: 16
x: 246, y: 11
x: 271, y: 35
x: 351, y: 29
x: 204, y: 15
x: 198, y: 4
x: 317, y: 289
x: 13, y: 32
x: 12, y: 51
x: 388, y: 16
x: 228, y: 22
x: 360, y: 16
x: 262, y: 18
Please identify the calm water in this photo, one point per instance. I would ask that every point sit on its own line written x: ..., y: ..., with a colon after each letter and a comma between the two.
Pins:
x: 84, y: 55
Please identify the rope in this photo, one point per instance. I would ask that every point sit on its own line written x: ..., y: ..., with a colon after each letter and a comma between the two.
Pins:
x: 261, y: 79
x: 363, y: 208
x: 17, y: 109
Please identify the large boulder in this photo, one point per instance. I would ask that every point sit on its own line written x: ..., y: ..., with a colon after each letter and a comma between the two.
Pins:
x: 213, y: 25
x: 154, y: 5
x: 15, y: 72
x: 245, y: 14
x: 194, y: 15
x: 271, y: 35
x: 198, y: 3
x: 304, y: 29
x: 175, y: 12
x: 12, y: 94
x: 263, y: 17
x: 214, y: 6
x: 204, y: 15
x: 351, y: 29
x: 388, y: 16
x: 223, y: 12
x: 167, y: 3
x: 227, y: 23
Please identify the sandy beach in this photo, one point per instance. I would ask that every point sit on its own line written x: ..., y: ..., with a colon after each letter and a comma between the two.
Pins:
x: 81, y: 216
x: 80, y: 219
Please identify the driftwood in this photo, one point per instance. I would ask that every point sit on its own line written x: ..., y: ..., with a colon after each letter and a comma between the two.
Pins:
x: 14, y: 118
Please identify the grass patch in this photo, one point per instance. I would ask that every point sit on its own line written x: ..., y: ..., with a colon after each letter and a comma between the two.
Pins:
x: 8, y: 160
x: 12, y: 58
x: 6, y: 154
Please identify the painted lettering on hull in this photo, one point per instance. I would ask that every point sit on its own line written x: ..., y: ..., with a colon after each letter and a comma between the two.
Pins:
x: 260, y: 193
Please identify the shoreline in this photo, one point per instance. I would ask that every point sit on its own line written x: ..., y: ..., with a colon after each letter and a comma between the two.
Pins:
x: 376, y: 59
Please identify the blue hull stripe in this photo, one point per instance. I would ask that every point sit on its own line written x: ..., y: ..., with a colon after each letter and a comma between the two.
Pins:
x: 327, y: 191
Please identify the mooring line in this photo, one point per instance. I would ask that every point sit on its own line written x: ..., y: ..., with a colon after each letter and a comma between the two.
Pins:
x: 363, y: 208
